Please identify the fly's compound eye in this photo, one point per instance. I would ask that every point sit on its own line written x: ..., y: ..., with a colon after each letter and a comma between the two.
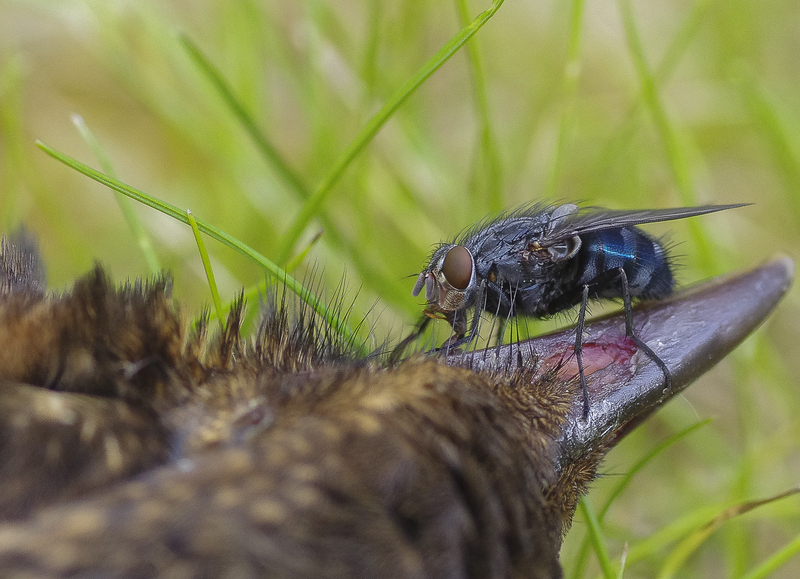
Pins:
x: 457, y: 267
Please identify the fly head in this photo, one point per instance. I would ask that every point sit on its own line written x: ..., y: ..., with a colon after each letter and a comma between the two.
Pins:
x: 450, y: 281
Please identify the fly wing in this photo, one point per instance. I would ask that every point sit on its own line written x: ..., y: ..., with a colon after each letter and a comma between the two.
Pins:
x: 590, y: 219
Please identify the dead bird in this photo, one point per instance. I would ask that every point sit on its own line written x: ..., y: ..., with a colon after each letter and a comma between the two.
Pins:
x: 132, y: 447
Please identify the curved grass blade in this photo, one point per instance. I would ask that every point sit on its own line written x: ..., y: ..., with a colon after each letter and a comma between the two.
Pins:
x: 768, y: 567
x: 662, y: 73
x: 623, y: 559
x: 300, y: 257
x: 695, y: 539
x: 595, y: 532
x: 569, y: 85
x: 488, y: 154
x: 582, y: 558
x: 279, y: 274
x: 676, y: 157
x: 245, y: 119
x: 135, y: 225
x: 212, y: 282
x: 312, y: 206
x: 626, y: 479
x: 256, y: 292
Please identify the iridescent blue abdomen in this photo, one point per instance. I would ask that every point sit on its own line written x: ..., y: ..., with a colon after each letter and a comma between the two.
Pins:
x: 642, y: 257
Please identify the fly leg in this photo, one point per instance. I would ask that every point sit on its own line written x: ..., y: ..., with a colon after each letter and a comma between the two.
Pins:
x: 460, y: 336
x: 579, y: 349
x: 626, y: 297
x: 398, y: 352
x: 505, y: 302
x: 601, y: 280
x: 457, y: 339
x: 456, y: 318
x: 508, y: 319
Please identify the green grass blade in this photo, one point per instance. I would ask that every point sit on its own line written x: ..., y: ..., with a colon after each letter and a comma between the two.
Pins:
x: 369, y: 66
x: 677, y: 161
x: 312, y: 206
x: 775, y: 133
x: 622, y: 561
x: 675, y: 156
x: 268, y: 151
x: 673, y: 56
x: 222, y: 87
x: 768, y: 567
x: 488, y: 169
x: 652, y: 546
x: 569, y: 86
x: 125, y: 205
x: 626, y: 479
x: 303, y: 254
x: 695, y: 539
x: 313, y: 301
x: 595, y: 532
x: 581, y: 559
x: 212, y: 282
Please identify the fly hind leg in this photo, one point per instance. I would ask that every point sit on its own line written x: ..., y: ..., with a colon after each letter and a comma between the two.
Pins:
x: 626, y: 298
x: 579, y: 349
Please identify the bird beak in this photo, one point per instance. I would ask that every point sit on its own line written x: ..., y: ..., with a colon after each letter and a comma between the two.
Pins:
x: 690, y: 332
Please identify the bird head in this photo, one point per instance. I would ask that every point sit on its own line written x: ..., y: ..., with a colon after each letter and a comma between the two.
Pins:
x: 134, y: 446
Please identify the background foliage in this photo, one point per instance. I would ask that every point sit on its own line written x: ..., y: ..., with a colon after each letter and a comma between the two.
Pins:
x: 655, y: 103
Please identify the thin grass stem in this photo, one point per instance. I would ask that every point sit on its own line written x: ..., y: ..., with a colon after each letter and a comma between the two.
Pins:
x: 212, y: 282
x: 134, y: 223
x: 312, y: 206
x: 307, y: 296
x: 597, y: 538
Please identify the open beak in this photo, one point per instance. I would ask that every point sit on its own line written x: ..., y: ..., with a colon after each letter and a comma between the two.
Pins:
x: 690, y: 332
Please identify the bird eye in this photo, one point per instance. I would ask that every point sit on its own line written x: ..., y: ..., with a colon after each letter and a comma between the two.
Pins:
x: 457, y: 267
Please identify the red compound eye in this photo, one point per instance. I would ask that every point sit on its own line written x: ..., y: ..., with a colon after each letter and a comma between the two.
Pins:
x: 457, y: 267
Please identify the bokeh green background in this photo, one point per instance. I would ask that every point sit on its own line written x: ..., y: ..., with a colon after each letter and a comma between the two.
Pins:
x: 553, y: 102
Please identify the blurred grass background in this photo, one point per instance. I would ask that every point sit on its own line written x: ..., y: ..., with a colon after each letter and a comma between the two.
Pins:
x: 628, y: 105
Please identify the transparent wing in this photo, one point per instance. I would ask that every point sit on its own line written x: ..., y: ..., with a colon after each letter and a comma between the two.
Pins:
x: 588, y: 219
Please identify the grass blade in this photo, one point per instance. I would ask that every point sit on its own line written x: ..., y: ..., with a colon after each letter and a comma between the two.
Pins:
x: 570, y: 84
x: 640, y: 464
x: 768, y: 567
x: 694, y: 540
x: 582, y: 558
x: 675, y: 156
x: 226, y: 239
x: 222, y: 87
x: 125, y: 205
x: 489, y: 157
x: 595, y: 532
x: 212, y: 282
x: 312, y: 206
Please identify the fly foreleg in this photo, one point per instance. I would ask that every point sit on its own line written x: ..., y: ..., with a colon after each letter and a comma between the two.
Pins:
x: 457, y: 319
x: 397, y: 353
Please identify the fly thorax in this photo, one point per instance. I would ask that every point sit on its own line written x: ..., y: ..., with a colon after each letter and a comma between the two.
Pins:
x: 554, y: 252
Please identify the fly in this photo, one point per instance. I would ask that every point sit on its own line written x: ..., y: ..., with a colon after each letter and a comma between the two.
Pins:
x: 541, y: 260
